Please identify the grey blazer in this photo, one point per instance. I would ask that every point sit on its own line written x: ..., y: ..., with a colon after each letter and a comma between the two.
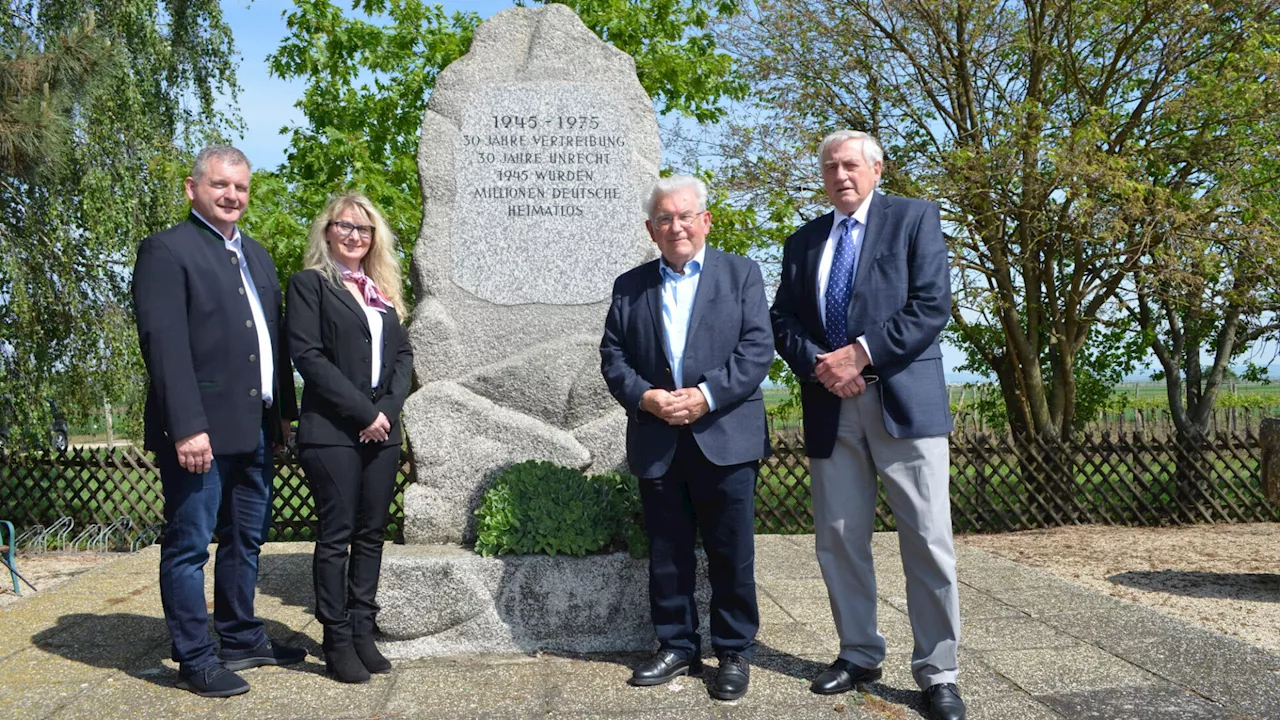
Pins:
x: 901, y: 302
x: 729, y: 348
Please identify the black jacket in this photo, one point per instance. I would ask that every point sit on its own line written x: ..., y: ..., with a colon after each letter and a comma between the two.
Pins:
x: 329, y: 340
x: 198, y: 340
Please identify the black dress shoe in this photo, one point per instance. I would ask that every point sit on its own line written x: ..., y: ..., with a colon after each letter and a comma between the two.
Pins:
x: 213, y: 681
x: 944, y: 702
x: 663, y: 667
x: 264, y: 654
x: 732, y: 680
x: 842, y: 676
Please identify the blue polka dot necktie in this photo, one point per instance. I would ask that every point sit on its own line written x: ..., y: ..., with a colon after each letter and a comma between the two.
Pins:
x: 840, y: 287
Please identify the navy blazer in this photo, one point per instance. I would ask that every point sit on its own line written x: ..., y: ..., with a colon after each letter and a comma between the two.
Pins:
x: 330, y: 342
x: 729, y: 348
x: 901, y: 302
x: 198, y: 340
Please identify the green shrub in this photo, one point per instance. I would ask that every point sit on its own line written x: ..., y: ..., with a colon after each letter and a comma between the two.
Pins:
x: 541, y: 507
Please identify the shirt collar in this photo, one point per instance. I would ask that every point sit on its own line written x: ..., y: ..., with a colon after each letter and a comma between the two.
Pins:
x: 859, y: 214
x: 233, y: 243
x: 693, y: 267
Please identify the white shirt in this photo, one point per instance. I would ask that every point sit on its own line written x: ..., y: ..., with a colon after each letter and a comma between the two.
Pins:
x: 266, y: 360
x: 829, y: 250
x: 678, y: 293
x: 375, y: 339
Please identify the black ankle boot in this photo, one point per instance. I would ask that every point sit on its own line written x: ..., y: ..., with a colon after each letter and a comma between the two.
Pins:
x: 344, y: 665
x: 340, y: 658
x: 367, y: 651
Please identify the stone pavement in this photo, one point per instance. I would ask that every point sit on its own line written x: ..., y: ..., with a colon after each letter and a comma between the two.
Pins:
x: 1034, y: 647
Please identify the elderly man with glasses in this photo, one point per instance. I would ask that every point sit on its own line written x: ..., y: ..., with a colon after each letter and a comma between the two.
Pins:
x: 686, y: 346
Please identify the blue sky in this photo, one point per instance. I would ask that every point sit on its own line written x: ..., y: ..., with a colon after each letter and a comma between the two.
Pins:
x: 267, y: 103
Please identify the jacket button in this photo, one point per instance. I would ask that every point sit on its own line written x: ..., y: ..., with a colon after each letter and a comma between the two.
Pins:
x: 248, y: 323
x: 241, y: 289
x: 234, y: 261
x: 253, y: 358
x: 253, y: 392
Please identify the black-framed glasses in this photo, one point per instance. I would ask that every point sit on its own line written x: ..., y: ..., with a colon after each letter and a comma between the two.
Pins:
x: 345, y: 228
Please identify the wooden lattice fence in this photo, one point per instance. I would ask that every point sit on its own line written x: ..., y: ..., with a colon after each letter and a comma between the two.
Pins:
x: 998, y: 483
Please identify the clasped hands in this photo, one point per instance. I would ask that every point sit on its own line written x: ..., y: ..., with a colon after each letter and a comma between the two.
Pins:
x: 682, y: 407
x: 378, y: 430
x: 840, y: 371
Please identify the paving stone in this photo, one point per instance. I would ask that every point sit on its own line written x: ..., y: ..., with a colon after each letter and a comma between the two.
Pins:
x: 1077, y: 667
x: 977, y: 605
x: 465, y: 689
x: 1011, y: 633
x: 1009, y: 707
x: 1147, y: 703
x: 304, y: 691
x: 589, y: 684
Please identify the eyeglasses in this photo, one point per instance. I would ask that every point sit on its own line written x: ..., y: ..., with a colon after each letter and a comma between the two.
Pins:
x: 345, y: 228
x: 666, y: 221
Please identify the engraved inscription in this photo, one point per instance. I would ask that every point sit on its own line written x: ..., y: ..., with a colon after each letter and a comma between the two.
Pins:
x: 538, y: 166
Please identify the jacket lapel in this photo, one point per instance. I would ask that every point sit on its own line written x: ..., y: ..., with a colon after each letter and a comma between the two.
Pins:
x: 707, y: 277
x: 653, y: 298
x: 870, y: 238
x: 813, y: 258
x: 345, y: 297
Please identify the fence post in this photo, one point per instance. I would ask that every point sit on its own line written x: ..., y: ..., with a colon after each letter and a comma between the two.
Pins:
x: 111, y: 437
x: 1270, y: 441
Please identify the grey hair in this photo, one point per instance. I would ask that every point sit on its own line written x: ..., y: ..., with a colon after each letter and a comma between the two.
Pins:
x: 222, y: 153
x: 872, y: 153
x: 675, y: 183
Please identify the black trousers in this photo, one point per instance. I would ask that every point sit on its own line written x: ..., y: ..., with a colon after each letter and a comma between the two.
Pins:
x: 695, y: 496
x: 352, y: 487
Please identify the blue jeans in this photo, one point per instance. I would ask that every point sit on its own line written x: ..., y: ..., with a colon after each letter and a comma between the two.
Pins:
x: 231, y: 502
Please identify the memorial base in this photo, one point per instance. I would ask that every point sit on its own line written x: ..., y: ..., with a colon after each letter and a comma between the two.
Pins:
x: 445, y: 600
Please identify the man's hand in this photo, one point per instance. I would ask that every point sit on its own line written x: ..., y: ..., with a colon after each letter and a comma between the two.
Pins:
x: 657, y: 402
x: 840, y: 371
x: 691, y: 405
x: 286, y: 430
x: 194, y: 453
x: 378, y: 431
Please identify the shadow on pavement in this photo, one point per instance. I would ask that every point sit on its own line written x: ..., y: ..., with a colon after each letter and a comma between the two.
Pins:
x: 134, y: 644
x: 1263, y: 587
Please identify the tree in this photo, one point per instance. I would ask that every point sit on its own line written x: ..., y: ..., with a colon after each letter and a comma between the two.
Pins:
x: 1047, y: 130
x: 102, y: 104
x: 369, y: 78
x: 1211, y: 288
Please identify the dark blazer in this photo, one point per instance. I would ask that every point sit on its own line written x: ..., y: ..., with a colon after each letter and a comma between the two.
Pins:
x: 729, y: 348
x: 901, y: 302
x: 198, y: 340
x: 329, y: 340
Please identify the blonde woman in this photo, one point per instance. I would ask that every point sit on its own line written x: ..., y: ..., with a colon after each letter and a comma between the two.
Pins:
x: 346, y: 340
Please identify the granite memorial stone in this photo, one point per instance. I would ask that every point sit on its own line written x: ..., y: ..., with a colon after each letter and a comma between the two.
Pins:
x: 537, y: 149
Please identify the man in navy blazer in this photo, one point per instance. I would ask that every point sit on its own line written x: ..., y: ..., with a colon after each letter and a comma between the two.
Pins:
x: 686, y: 346
x: 207, y: 304
x: 865, y: 293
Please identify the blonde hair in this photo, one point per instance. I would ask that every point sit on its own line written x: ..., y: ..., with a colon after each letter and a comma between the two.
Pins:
x: 379, y: 262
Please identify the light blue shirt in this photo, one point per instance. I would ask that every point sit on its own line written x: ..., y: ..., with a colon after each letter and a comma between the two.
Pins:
x: 266, y: 359
x: 678, y: 293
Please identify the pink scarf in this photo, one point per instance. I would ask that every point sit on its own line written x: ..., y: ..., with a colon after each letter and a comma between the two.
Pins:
x: 372, y: 296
